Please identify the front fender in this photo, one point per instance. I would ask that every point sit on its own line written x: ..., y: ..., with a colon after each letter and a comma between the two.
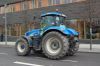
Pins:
x: 71, y: 31
x: 28, y: 39
x: 35, y: 32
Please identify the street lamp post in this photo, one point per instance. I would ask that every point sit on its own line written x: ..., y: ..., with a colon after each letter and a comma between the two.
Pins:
x: 5, y: 25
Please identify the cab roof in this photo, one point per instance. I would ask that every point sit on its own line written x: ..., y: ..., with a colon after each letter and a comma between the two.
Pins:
x: 53, y: 13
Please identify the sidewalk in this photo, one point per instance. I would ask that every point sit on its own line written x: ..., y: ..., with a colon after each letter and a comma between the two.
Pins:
x: 86, y: 48
x: 82, y: 47
x: 8, y: 43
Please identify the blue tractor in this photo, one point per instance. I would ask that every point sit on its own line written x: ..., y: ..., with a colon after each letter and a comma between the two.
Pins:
x: 53, y: 39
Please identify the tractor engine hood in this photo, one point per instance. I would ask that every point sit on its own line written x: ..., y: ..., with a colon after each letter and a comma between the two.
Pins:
x: 35, y: 32
x: 69, y: 31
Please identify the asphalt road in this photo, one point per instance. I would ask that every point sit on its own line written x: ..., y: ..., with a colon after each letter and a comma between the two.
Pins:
x: 8, y: 57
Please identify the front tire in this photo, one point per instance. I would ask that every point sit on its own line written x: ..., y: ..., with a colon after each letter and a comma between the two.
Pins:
x: 22, y: 47
x: 55, y: 45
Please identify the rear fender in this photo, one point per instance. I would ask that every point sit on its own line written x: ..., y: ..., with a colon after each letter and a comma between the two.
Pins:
x: 60, y: 29
x: 63, y: 29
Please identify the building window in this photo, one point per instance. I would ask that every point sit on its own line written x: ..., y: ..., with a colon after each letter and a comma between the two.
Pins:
x: 65, y: 1
x: 50, y: 2
x: 40, y: 3
x: 2, y: 10
x: 54, y: 2
x: 44, y: 3
x: 17, y: 29
x: 57, y: 2
x: 70, y: 1
x: 10, y: 8
x: 34, y: 3
x: 30, y: 4
x: 17, y: 7
x: 78, y: 0
x: 24, y: 5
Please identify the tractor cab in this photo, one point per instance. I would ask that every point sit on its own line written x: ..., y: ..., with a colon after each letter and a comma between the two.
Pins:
x: 52, y: 19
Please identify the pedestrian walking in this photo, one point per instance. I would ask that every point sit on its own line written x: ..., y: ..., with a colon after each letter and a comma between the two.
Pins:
x: 2, y: 37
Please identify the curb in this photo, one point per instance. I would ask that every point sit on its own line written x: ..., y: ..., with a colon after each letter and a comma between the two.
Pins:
x: 88, y: 52
x: 7, y: 46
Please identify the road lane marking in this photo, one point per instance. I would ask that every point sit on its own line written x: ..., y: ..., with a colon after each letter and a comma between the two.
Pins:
x: 3, y: 54
x: 29, y: 64
x: 70, y: 60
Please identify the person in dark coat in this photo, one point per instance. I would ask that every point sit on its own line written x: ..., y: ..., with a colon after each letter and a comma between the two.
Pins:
x: 2, y: 37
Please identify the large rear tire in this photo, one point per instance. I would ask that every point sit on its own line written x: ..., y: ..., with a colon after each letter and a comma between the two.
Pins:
x: 22, y: 47
x: 54, y: 45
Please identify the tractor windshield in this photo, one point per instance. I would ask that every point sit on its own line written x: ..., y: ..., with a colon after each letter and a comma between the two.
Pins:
x: 52, y: 20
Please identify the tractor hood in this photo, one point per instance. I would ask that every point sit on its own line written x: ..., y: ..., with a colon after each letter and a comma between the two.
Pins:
x: 71, y: 31
x: 68, y: 31
x: 35, y: 32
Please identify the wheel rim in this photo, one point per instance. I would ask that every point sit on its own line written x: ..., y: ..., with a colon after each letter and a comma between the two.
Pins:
x: 21, y: 46
x: 53, y: 46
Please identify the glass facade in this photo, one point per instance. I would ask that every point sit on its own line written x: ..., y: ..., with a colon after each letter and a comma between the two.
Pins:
x: 83, y: 27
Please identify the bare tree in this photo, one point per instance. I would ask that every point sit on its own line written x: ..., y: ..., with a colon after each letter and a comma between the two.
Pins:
x: 90, y: 15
